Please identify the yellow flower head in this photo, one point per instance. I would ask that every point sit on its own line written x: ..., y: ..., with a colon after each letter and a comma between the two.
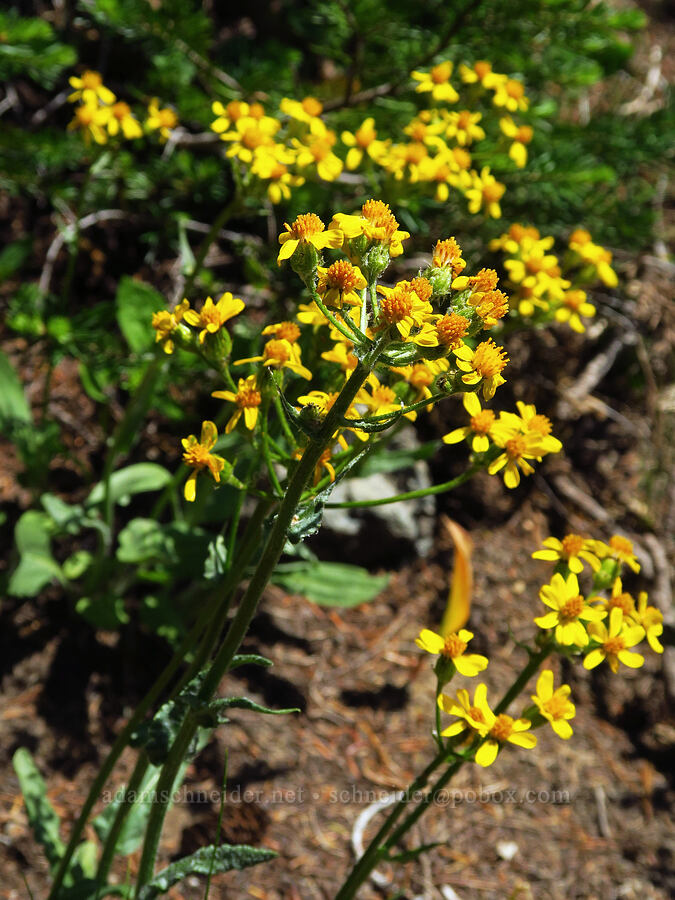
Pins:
x: 496, y: 730
x: 303, y: 110
x: 89, y: 88
x: 376, y: 222
x: 197, y: 454
x: 213, y: 316
x: 651, y: 620
x: 485, y: 193
x: 479, y: 429
x: 620, y: 549
x: 284, y: 331
x: 511, y: 95
x: 363, y: 142
x: 572, y: 550
x: 481, y: 71
x: 121, y: 120
x: 165, y: 322
x: 484, y: 364
x: 247, y: 400
x: 448, y: 255
x: 490, y: 307
x: 280, y: 354
x: 569, y: 611
x: 574, y: 305
x: 307, y: 229
x: 91, y: 120
x: 402, y: 307
x: 614, y: 643
x: 340, y: 282
x: 250, y: 136
x: 464, y: 127
x: 437, y: 82
x: 162, y: 120
x: 450, y: 329
x: 453, y: 647
x: 554, y: 706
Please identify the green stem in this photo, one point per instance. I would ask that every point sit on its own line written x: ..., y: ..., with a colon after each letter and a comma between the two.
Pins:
x: 411, y: 495
x: 355, y: 335
x: 225, y: 213
x: 378, y: 848
x: 286, y: 428
x: 249, y: 603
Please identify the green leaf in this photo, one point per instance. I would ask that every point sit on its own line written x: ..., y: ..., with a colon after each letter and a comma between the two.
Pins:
x: 106, y: 611
x: 77, y: 564
x: 207, y: 859
x: 331, y: 584
x: 41, y: 815
x: 250, y: 659
x: 215, y: 564
x: 66, y: 517
x: 140, y: 541
x: 14, y: 407
x: 213, y: 714
x: 13, y: 256
x: 409, y: 855
x: 157, y: 734
x: 133, y: 479
x: 135, y: 303
x: 37, y: 567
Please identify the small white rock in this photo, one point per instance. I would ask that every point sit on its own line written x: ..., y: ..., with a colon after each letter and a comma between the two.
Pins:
x: 507, y: 849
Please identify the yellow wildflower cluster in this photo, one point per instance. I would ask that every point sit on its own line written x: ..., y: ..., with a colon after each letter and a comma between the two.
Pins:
x: 283, y: 149
x: 541, y: 291
x: 600, y: 626
x: 100, y: 116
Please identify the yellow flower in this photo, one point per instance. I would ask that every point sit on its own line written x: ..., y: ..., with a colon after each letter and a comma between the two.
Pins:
x: 511, y: 94
x: 363, y: 142
x: 162, y: 120
x: 497, y: 730
x: 620, y: 549
x: 571, y: 550
x: 615, y: 643
x: 402, y: 307
x: 342, y: 354
x: 532, y: 424
x: 283, y: 331
x: 197, y: 454
x: 574, y: 306
x: 597, y: 256
x: 518, y: 449
x: 453, y: 647
x: 250, y: 136
x: 448, y: 254
x: 213, y: 316
x: 437, y: 81
x: 521, y: 136
x: 235, y: 110
x: 376, y: 222
x: 165, y: 322
x: 120, y: 119
x: 450, y: 329
x: 91, y: 120
x: 339, y: 283
x: 554, y: 706
x: 486, y: 192
x: 484, y: 364
x: 280, y: 354
x: 651, y: 620
x: 482, y: 72
x: 307, y: 229
x: 266, y: 167
x: 317, y: 150
x: 90, y: 89
x: 490, y: 307
x: 479, y: 428
x: 303, y: 110
x: 464, y: 127
x: 569, y: 611
x: 247, y: 400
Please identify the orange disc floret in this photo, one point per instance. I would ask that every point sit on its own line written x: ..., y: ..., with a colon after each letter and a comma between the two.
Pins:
x: 343, y: 276
x: 448, y: 254
x: 454, y: 646
x: 475, y: 713
x: 306, y: 226
x: 482, y: 422
x: 489, y: 359
x: 572, y: 544
x: 542, y: 425
x: 502, y: 728
x: 397, y: 304
x: 288, y: 331
x: 422, y: 288
x: 312, y: 106
x: 379, y: 215
x: 570, y: 609
x: 491, y: 307
x: 247, y: 397
x: 277, y: 350
x: 451, y: 329
x: 623, y: 601
x: 439, y: 74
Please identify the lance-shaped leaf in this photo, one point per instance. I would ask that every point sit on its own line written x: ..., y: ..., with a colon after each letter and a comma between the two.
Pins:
x: 206, y: 860
x: 250, y: 659
x: 157, y: 735
x: 41, y: 815
x: 214, y: 713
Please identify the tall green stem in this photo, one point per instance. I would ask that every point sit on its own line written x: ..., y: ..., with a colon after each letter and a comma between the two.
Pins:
x: 249, y: 603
